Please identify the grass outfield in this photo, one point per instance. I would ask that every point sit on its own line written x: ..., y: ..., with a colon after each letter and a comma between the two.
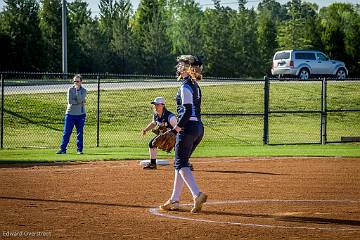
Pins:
x: 36, y: 120
x: 125, y: 153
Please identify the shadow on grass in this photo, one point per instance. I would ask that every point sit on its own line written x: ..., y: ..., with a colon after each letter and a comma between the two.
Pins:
x: 31, y: 121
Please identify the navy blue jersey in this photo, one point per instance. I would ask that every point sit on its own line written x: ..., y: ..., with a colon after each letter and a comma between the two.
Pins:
x: 189, y: 93
x: 163, y: 120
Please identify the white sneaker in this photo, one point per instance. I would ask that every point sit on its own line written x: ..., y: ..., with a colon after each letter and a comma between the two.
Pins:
x: 170, y: 206
x: 198, y: 202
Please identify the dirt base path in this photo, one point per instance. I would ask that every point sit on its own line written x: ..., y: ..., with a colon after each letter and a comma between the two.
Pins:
x: 249, y: 198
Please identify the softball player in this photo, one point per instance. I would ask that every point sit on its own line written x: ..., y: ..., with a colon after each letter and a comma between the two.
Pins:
x: 163, y: 120
x: 190, y: 131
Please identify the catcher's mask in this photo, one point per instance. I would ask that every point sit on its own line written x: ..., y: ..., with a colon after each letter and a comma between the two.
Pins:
x: 193, y: 65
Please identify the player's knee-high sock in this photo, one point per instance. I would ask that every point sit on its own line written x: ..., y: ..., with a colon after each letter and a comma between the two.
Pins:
x: 178, y: 186
x: 190, y: 181
x: 153, y: 155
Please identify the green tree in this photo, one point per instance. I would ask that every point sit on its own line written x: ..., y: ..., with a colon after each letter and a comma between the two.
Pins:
x: 107, y: 16
x: 292, y: 32
x: 217, y: 49
x: 242, y: 4
x: 121, y: 41
x: 78, y: 15
x: 150, y: 31
x: 277, y: 11
x: 6, y: 60
x: 243, y: 40
x: 94, y: 48
x: 312, y: 31
x: 106, y: 21
x: 352, y: 43
x: 271, y: 14
x: 252, y: 47
x: 50, y: 25
x: 340, y: 34
x: 184, y: 30
x: 20, y: 36
x: 266, y: 40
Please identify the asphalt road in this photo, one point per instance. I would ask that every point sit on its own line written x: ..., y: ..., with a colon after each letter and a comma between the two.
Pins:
x: 10, y: 90
x: 58, y: 88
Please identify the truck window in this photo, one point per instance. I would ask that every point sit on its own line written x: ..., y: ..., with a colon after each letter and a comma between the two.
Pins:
x: 305, y: 56
x: 282, y: 55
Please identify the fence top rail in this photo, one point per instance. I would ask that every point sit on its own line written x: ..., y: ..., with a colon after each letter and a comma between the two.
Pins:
x: 164, y: 76
x: 70, y: 75
x: 312, y: 79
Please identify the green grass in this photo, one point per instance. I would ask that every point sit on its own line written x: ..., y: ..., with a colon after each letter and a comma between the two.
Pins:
x: 36, y: 120
x: 33, y: 155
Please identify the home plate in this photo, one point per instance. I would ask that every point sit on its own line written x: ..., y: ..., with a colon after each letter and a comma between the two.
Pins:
x: 160, y: 162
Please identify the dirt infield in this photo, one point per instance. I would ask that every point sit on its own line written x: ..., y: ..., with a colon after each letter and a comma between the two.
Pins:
x: 249, y: 198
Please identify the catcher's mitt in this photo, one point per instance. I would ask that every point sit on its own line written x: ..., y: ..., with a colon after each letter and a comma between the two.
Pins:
x: 159, y: 130
x: 165, y: 141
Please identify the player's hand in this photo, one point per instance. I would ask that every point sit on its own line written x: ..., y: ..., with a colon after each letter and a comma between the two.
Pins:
x: 177, y: 129
x: 143, y: 132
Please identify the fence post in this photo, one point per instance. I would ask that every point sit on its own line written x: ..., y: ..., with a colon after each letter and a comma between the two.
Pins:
x: 98, y: 113
x: 266, y: 111
x: 323, y: 111
x: 2, y: 113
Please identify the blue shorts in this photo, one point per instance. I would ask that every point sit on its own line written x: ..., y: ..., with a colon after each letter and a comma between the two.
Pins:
x: 186, y: 142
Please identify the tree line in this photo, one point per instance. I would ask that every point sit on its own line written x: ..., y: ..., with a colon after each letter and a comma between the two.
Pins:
x: 233, y: 42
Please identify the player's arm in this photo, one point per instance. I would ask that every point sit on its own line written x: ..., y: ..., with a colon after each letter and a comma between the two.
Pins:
x: 187, y: 102
x: 149, y: 127
x: 83, y: 97
x: 71, y: 97
x: 173, y: 121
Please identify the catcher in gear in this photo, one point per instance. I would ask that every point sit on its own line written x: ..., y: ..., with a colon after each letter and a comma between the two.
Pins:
x: 162, y: 121
x: 189, y: 130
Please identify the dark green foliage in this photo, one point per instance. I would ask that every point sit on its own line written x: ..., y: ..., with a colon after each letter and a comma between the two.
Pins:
x: 150, y: 34
x: 20, y: 36
x: 266, y: 40
x: 340, y: 35
x: 121, y: 42
x: 234, y: 43
x: 94, y: 47
x: 50, y: 25
x: 217, y: 49
x: 78, y: 15
x: 184, y: 27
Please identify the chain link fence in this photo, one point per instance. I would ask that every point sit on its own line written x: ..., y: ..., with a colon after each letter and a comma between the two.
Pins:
x: 234, y: 111
x: 118, y: 107
x: 313, y: 111
x: 342, y: 107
